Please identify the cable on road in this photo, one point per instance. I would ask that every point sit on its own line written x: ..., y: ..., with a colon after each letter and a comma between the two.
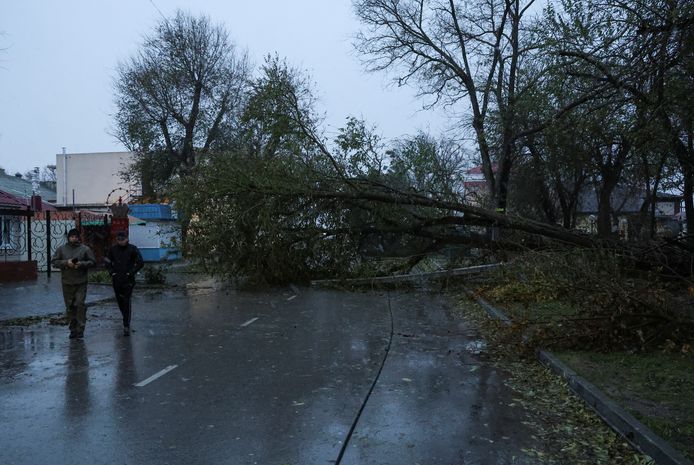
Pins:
x: 368, y: 394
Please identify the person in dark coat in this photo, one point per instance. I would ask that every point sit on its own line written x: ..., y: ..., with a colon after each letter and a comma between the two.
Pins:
x: 74, y: 259
x: 123, y: 261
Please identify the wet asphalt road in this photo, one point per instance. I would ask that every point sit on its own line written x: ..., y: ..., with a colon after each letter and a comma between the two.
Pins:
x: 257, y: 378
x: 41, y: 297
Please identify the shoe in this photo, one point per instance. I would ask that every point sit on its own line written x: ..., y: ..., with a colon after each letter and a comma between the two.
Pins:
x: 126, y: 331
x: 73, y: 334
x: 80, y: 335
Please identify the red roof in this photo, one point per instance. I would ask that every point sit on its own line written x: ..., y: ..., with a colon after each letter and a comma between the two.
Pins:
x: 9, y: 200
x: 478, y: 169
x: 12, y: 201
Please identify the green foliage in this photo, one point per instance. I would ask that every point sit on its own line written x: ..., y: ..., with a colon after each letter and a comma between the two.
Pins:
x: 237, y: 230
x: 655, y: 387
x: 284, y: 206
x: 278, y: 115
x: 430, y: 166
x: 592, y: 298
x: 359, y: 149
x: 564, y: 429
x: 154, y: 274
x: 179, y: 96
x: 154, y: 171
x: 100, y: 277
x: 636, y: 58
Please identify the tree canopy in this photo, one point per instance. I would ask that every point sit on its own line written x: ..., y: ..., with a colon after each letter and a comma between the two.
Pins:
x: 180, y: 96
x: 559, y: 104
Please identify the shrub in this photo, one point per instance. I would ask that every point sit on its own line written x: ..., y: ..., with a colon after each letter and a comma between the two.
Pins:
x: 615, y: 305
x: 100, y: 277
x: 154, y: 274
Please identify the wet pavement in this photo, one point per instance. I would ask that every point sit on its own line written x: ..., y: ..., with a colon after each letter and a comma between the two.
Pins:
x: 227, y: 377
x: 41, y: 297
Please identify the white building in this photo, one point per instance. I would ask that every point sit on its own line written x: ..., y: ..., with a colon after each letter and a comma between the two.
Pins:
x: 86, y: 179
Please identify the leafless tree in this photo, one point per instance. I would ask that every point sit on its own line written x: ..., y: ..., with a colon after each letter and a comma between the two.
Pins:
x: 469, y: 52
x: 645, y: 50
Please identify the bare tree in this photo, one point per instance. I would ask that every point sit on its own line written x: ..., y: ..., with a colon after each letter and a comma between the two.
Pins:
x: 645, y: 50
x: 457, y: 51
x: 181, y: 94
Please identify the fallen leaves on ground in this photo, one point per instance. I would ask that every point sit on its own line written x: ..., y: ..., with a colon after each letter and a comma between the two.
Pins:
x: 565, y: 430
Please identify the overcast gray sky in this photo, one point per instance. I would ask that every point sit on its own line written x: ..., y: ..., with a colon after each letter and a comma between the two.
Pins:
x: 57, y: 67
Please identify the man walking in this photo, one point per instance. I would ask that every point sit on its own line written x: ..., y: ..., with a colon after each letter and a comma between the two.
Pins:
x: 74, y: 259
x: 123, y: 261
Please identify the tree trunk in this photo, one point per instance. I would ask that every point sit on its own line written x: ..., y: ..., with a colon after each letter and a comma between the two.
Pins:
x: 685, y: 157
x: 611, y: 167
x: 688, y: 173
x: 604, y: 221
x: 508, y: 115
x: 688, y: 201
x: 502, y: 177
x: 548, y: 207
x: 146, y: 177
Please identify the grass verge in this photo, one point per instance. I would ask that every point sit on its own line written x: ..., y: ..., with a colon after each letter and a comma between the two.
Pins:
x: 657, y: 388
x: 565, y: 430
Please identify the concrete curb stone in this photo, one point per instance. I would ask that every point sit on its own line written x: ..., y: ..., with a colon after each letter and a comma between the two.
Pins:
x: 635, y: 432
x: 409, y: 277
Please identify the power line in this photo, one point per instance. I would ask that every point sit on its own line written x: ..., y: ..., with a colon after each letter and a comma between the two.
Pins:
x: 157, y: 8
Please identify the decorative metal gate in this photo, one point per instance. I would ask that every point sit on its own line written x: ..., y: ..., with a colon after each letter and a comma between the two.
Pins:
x: 15, y: 245
x: 48, y: 232
x: 95, y: 229
x: 29, y: 235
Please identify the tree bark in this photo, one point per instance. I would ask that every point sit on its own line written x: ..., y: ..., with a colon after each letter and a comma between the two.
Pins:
x: 610, y: 172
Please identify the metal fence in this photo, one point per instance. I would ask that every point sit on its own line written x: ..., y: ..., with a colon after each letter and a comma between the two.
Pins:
x: 48, y: 232
x: 15, y: 245
x: 27, y: 235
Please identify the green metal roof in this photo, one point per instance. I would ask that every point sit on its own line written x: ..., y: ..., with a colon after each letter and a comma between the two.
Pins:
x: 22, y: 188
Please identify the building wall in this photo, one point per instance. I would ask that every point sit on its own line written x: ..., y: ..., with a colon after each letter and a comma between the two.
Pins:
x: 157, y: 240
x: 91, y: 176
x: 19, y: 271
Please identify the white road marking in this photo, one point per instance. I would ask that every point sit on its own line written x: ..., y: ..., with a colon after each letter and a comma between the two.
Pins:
x: 156, y: 375
x: 249, y: 322
x: 292, y: 298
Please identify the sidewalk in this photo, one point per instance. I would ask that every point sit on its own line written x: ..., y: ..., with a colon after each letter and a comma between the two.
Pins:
x: 45, y: 295
x: 41, y: 297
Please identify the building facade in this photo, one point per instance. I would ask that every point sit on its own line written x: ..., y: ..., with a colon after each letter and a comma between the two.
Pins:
x: 85, y: 180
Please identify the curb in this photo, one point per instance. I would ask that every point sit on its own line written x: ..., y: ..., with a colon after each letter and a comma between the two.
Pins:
x: 490, y: 309
x: 619, y: 419
x: 87, y: 304
x: 92, y: 303
x: 44, y: 316
x: 139, y: 285
x: 409, y: 277
x: 635, y: 432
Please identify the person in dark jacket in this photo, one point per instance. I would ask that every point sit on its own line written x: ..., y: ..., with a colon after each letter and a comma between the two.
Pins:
x: 123, y: 261
x: 74, y: 259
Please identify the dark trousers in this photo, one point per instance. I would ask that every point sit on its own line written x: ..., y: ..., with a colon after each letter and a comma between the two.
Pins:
x: 75, y: 308
x: 124, y: 292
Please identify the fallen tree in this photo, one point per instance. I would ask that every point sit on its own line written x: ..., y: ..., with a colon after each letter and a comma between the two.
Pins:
x: 285, y: 204
x: 275, y: 207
